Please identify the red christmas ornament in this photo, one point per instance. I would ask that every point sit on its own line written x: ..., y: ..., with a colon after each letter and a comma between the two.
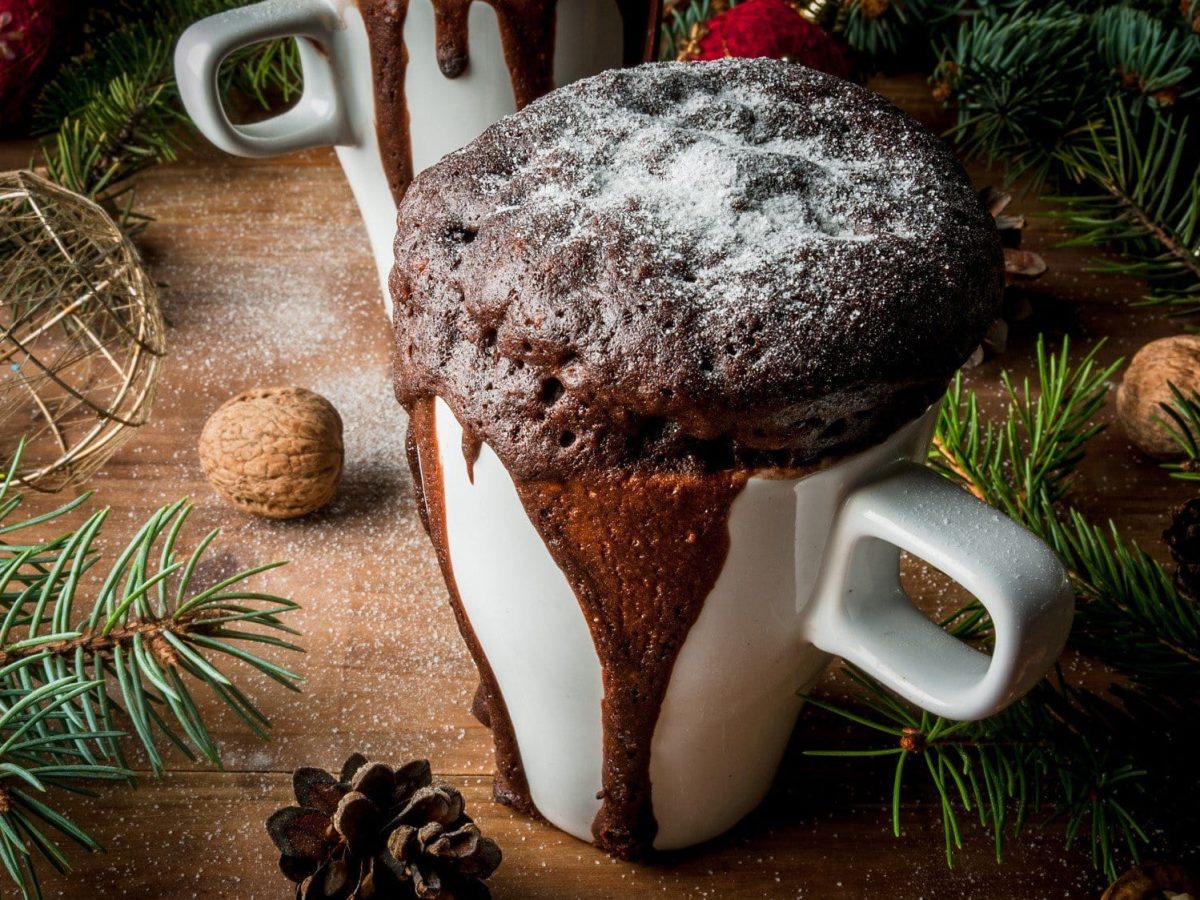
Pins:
x: 772, y: 28
x: 31, y: 45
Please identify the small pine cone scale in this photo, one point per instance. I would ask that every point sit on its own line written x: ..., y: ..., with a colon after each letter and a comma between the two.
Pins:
x: 1018, y: 263
x: 1152, y: 880
x: 441, y: 862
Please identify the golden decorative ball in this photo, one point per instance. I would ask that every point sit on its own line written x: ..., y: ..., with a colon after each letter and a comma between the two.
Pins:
x: 81, y: 334
x: 274, y: 452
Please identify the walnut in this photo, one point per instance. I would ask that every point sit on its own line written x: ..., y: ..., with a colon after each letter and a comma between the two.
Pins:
x: 1154, y: 881
x: 274, y: 452
x: 1172, y: 359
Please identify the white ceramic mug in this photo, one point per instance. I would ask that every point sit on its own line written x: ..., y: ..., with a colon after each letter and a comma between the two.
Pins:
x: 812, y: 571
x: 337, y: 107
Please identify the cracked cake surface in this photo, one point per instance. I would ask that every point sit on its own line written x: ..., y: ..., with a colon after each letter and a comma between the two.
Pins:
x: 681, y: 266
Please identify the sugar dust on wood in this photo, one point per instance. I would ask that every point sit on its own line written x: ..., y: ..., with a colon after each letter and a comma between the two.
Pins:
x: 277, y: 289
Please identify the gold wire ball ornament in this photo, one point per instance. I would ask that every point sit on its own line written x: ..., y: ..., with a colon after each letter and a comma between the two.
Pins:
x: 81, y: 333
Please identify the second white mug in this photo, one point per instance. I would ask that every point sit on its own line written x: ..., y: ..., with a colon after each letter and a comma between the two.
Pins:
x: 338, y: 104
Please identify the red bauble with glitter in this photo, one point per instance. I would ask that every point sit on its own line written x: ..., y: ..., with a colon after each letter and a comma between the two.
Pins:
x: 773, y: 28
x: 32, y: 43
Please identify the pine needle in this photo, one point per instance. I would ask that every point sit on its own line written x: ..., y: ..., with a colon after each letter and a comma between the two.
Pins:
x: 114, y: 110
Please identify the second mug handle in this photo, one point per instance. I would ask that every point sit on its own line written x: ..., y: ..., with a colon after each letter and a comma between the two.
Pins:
x: 319, y: 117
x: 863, y: 615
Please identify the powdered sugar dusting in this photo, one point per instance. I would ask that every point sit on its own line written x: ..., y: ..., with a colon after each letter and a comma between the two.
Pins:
x: 730, y: 180
x: 708, y: 188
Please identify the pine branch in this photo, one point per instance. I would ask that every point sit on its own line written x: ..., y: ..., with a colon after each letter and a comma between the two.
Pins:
x: 30, y: 765
x: 1147, y: 55
x: 1146, y: 167
x: 1095, y: 762
x: 1094, y: 99
x: 1034, y: 449
x: 1045, y: 757
x: 885, y: 32
x: 1130, y: 615
x: 92, y: 650
x: 148, y: 624
x: 114, y: 110
x: 1022, y: 83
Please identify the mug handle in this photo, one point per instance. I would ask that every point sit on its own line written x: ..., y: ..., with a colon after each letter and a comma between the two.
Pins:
x: 318, y: 119
x: 863, y: 615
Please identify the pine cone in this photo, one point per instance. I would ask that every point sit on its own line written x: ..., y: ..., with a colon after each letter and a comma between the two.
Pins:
x: 1018, y: 263
x: 1182, y: 538
x: 380, y: 832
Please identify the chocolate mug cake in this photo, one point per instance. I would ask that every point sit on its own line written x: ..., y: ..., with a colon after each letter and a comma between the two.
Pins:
x: 647, y: 289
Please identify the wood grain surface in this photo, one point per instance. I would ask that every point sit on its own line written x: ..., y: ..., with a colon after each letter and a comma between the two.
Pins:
x: 266, y: 279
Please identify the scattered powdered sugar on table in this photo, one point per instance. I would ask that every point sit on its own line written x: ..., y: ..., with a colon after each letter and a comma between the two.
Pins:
x: 274, y: 289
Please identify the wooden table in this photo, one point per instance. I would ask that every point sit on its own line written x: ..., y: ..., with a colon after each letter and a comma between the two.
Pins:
x: 266, y: 279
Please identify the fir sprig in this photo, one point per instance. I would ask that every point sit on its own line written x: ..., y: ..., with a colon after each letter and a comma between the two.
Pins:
x: 1044, y: 758
x: 882, y: 33
x: 31, y: 763
x: 114, y: 109
x: 1022, y: 85
x: 1098, y: 100
x: 1146, y: 54
x: 1032, y: 451
x: 1092, y: 761
x: 94, y: 654
x: 1147, y: 204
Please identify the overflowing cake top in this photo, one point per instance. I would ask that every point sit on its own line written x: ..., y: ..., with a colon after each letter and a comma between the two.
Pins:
x: 743, y: 262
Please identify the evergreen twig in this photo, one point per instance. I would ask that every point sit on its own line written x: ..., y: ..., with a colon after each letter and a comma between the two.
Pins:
x: 1097, y: 100
x: 94, y: 654
x: 1145, y: 166
x: 884, y: 33
x: 1070, y: 755
x: 1181, y: 419
x: 114, y: 109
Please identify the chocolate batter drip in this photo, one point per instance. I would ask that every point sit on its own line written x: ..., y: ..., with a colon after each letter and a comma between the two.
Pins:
x: 510, y: 786
x: 472, y: 444
x: 641, y: 552
x: 526, y: 34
